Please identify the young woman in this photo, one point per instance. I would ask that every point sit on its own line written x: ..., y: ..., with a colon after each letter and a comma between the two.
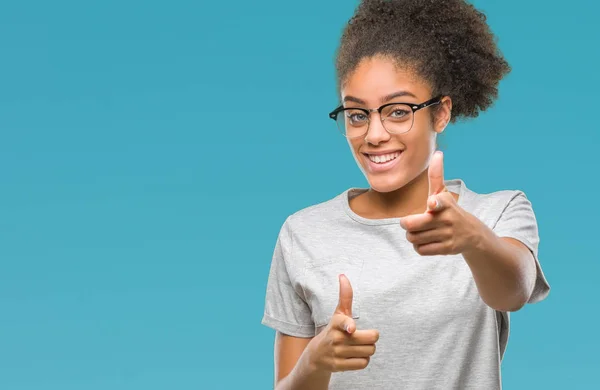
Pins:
x: 407, y: 284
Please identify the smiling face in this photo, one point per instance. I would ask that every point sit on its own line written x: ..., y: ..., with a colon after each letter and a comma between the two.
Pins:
x: 390, y: 161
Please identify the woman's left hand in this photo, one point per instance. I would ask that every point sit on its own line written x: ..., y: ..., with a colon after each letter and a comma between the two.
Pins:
x: 445, y: 228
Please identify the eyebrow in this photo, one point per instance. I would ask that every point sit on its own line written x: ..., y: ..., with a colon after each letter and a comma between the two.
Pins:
x: 383, y: 100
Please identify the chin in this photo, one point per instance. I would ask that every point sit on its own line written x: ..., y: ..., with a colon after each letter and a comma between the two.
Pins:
x: 387, y: 183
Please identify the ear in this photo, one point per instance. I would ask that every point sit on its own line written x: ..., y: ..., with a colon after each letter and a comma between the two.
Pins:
x: 443, y: 114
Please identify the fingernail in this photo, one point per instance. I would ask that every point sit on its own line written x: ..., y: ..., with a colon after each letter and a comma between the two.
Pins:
x: 432, y: 197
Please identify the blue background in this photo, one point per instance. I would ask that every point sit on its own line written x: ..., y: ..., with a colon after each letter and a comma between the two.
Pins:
x: 148, y: 161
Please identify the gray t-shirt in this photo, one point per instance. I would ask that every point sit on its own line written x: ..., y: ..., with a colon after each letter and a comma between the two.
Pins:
x: 435, y: 330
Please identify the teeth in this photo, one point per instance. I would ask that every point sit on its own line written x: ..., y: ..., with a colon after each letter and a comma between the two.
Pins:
x: 383, y: 158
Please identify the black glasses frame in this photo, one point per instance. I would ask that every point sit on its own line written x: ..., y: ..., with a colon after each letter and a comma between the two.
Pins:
x: 414, y: 107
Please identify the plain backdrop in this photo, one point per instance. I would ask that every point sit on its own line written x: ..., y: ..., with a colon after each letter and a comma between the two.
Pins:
x: 150, y: 151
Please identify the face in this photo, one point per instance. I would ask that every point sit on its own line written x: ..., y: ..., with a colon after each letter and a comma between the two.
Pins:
x: 367, y: 87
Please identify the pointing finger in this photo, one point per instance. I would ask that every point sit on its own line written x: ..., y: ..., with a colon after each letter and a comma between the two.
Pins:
x: 418, y: 222
x: 365, y: 337
x: 436, y: 173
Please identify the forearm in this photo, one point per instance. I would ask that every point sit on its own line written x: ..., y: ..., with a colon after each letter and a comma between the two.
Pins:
x: 304, y: 377
x: 504, y: 273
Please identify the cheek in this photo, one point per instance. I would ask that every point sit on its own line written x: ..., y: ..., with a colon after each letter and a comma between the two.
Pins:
x: 354, y: 146
x: 421, y: 139
x: 419, y: 143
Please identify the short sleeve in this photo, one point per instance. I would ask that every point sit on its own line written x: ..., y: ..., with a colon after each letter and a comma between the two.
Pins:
x: 286, y: 309
x: 518, y: 221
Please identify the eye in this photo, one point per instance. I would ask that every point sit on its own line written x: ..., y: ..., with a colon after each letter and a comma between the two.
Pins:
x: 399, y: 113
x: 356, y: 117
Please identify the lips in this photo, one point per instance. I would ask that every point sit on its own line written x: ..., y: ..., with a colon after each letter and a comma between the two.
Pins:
x: 382, y: 162
x: 383, y: 158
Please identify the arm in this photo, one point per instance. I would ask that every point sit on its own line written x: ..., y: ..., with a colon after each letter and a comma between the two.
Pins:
x: 292, y: 368
x: 503, y: 268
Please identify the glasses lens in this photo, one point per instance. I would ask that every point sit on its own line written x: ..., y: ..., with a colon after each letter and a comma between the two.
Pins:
x: 397, y: 118
x: 352, y: 122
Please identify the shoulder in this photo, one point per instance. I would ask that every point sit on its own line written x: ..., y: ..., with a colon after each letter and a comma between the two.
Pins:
x: 323, y: 213
x: 489, y: 206
x: 491, y: 198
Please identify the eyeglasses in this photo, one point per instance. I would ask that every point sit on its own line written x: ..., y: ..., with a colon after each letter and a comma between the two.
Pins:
x: 396, y: 118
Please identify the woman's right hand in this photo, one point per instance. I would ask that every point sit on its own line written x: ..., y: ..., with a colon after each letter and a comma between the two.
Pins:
x: 340, y: 346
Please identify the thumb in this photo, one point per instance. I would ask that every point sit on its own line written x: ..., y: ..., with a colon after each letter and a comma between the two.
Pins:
x: 347, y: 325
x: 345, y: 301
x: 436, y: 173
x: 434, y: 203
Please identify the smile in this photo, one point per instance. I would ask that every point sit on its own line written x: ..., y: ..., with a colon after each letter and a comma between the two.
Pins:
x: 382, y: 159
x: 381, y: 162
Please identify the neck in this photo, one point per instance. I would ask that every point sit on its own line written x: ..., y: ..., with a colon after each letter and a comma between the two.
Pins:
x: 409, y: 199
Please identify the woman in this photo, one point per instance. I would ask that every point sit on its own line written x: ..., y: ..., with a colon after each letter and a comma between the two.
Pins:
x: 407, y: 284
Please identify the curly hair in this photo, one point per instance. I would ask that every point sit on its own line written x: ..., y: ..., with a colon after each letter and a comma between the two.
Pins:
x: 448, y: 43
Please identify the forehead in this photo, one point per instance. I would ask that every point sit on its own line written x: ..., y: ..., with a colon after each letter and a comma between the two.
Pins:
x: 377, y: 77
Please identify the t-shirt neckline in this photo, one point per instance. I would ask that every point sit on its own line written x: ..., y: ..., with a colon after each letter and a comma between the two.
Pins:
x: 453, y: 185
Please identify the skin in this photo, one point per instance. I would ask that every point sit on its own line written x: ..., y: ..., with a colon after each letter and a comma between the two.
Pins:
x: 307, y: 363
x: 403, y: 189
x: 413, y: 190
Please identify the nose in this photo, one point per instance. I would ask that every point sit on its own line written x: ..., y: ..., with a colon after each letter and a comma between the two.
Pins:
x: 376, y: 133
